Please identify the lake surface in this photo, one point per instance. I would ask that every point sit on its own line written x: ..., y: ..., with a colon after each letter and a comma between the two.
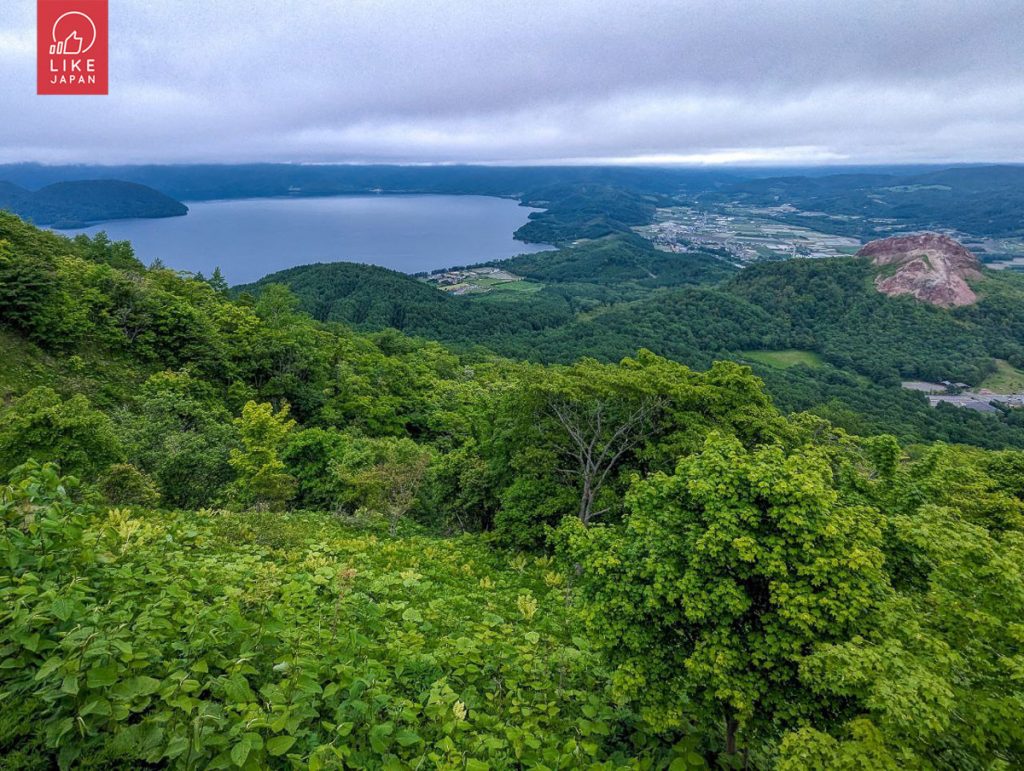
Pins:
x: 252, y: 237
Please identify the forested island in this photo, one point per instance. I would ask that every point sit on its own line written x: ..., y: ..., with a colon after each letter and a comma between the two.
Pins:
x: 75, y: 204
x: 340, y: 519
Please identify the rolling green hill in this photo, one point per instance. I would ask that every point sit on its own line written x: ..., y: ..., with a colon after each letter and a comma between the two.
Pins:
x: 372, y: 298
x: 607, y: 298
x: 619, y: 260
x: 568, y: 281
x: 78, y: 203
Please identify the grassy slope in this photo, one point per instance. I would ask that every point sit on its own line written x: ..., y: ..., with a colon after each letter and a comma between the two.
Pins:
x: 784, y: 359
x: 1006, y: 378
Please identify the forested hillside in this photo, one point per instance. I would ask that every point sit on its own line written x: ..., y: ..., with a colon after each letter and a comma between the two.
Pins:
x: 609, y: 297
x: 234, y: 536
x: 622, y: 261
x: 78, y: 203
x: 371, y: 298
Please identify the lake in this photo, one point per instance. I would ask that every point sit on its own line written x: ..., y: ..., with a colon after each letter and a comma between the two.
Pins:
x: 252, y: 237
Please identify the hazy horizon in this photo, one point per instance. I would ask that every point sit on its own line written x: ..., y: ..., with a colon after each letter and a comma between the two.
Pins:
x: 751, y: 169
x: 724, y: 84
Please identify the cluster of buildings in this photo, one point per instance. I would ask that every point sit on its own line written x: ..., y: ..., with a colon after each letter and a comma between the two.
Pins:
x: 961, y: 395
x: 743, y: 235
x: 470, y: 280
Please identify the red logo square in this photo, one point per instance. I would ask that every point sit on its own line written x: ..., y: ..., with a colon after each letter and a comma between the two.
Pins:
x: 71, y: 53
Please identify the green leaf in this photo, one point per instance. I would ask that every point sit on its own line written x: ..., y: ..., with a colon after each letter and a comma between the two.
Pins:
x: 96, y: 707
x: 68, y: 754
x: 176, y: 746
x: 146, y: 685
x: 378, y: 736
x: 62, y: 608
x: 279, y: 745
x: 412, y: 615
x: 237, y: 689
x: 222, y: 760
x: 49, y: 667
x: 255, y: 740
x: 102, y: 676
x: 407, y: 738
x: 240, y: 752
x: 134, y: 687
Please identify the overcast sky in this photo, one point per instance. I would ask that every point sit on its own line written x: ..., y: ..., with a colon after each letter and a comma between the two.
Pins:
x: 724, y: 81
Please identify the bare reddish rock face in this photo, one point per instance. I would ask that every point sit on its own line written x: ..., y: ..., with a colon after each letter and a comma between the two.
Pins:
x: 933, y: 268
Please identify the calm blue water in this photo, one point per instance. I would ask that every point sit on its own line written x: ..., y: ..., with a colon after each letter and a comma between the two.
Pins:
x: 252, y: 237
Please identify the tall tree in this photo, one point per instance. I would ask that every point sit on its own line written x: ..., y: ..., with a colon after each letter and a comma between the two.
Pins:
x: 26, y: 283
x: 599, y: 435
x: 262, y: 480
x: 722, y: 579
x: 217, y: 281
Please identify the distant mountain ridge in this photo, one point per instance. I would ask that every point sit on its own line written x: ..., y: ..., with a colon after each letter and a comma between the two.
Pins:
x: 79, y: 203
x: 865, y: 202
x: 979, y: 200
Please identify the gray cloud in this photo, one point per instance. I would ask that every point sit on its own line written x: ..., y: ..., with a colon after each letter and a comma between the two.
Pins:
x: 526, y: 81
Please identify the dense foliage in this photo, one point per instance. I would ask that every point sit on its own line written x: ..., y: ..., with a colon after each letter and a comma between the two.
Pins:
x: 372, y: 298
x: 863, y: 608
x: 237, y: 536
x: 830, y: 307
x: 213, y: 640
x: 619, y: 260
